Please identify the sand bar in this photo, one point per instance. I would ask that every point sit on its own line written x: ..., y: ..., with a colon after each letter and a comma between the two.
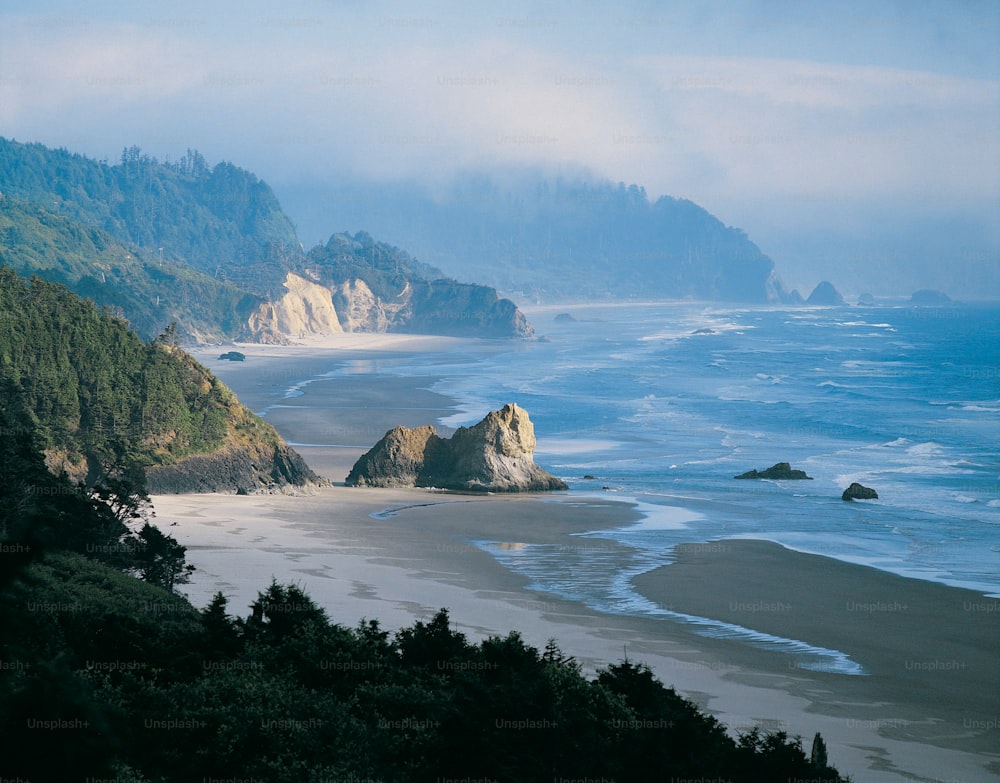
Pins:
x: 399, y: 555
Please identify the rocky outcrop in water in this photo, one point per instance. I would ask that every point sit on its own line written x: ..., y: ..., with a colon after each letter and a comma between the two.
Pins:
x: 495, y: 455
x: 825, y: 295
x: 781, y: 471
x: 859, y: 492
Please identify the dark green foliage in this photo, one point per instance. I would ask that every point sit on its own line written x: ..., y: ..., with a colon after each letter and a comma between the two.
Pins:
x: 286, y: 695
x: 103, y: 400
x: 159, y: 559
x: 147, y: 291
x: 189, y: 212
x: 106, y: 676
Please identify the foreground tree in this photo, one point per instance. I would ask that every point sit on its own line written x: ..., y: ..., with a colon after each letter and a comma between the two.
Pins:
x: 160, y: 560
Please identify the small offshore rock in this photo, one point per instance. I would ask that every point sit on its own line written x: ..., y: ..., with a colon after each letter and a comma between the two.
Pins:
x: 780, y: 471
x: 859, y: 492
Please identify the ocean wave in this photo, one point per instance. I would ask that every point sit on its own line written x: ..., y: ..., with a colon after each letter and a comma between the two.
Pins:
x: 976, y: 408
x: 929, y: 449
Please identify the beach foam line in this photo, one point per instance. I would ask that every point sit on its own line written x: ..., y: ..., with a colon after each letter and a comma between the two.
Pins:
x: 812, y: 657
x: 621, y: 600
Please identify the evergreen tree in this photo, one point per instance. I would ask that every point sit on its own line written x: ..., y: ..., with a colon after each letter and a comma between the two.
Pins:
x: 160, y: 560
x: 818, y: 754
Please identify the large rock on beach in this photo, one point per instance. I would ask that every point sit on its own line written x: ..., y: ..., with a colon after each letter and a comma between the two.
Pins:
x: 859, y: 492
x: 495, y: 455
x: 780, y: 471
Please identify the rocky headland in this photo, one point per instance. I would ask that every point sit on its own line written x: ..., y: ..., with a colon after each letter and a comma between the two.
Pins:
x: 243, y: 469
x: 495, y: 455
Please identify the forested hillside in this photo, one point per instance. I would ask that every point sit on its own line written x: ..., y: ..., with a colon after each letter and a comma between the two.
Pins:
x: 110, y: 676
x: 101, y: 400
x: 398, y: 293
x: 210, y: 247
x: 557, y: 238
x: 153, y: 293
x: 221, y: 220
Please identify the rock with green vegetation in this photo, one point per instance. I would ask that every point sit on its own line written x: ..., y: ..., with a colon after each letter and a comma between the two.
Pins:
x: 564, y: 239
x: 233, y: 356
x: 378, y: 287
x: 495, y: 455
x: 105, y: 401
x: 211, y: 248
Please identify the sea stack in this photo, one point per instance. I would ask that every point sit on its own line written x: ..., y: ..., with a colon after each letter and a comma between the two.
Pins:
x: 495, y: 455
x: 780, y: 471
x: 825, y: 295
x: 859, y: 492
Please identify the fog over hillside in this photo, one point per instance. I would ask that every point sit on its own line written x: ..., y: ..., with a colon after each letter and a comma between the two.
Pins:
x: 854, y: 142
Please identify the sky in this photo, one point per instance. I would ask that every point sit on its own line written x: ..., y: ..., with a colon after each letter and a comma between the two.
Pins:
x: 855, y: 141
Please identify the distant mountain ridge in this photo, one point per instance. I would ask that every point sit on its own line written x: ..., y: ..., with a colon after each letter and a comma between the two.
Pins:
x: 214, y: 243
x: 560, y: 239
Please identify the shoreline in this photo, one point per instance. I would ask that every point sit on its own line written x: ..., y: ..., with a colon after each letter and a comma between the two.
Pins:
x: 320, y: 398
x: 400, y: 555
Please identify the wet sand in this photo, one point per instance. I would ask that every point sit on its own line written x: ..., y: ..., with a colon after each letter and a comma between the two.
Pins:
x: 926, y: 709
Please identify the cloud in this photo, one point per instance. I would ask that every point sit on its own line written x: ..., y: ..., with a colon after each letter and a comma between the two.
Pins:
x: 327, y: 91
x: 699, y: 125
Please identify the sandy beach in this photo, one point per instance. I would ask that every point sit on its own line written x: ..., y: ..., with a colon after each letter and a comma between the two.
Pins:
x: 925, y: 709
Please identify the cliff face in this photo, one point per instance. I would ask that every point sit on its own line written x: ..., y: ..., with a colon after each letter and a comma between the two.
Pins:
x: 360, y: 310
x: 227, y: 262
x: 439, y: 307
x: 397, y: 460
x: 307, y: 308
x: 245, y: 469
x: 379, y: 288
x: 495, y: 455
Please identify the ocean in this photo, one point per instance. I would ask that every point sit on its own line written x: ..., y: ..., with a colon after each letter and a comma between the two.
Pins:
x: 663, y: 404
